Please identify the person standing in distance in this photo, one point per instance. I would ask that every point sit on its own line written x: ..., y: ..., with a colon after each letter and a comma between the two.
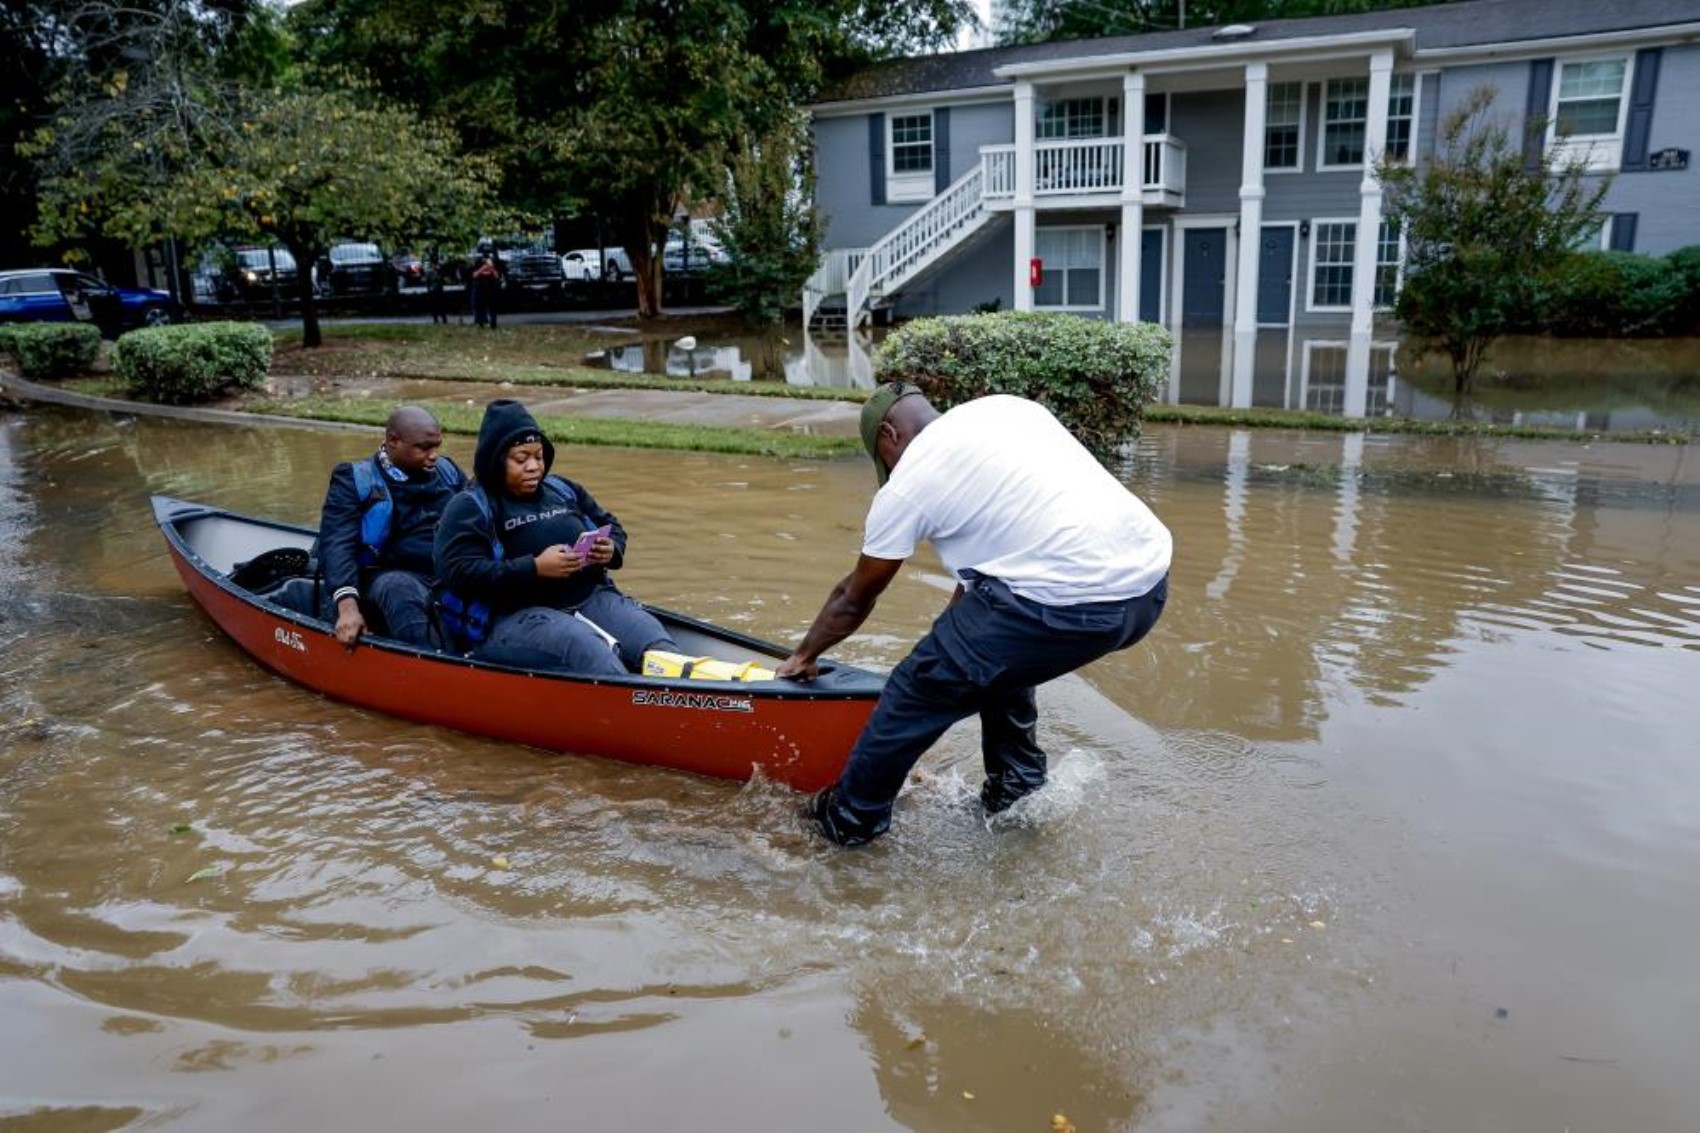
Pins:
x: 1057, y: 564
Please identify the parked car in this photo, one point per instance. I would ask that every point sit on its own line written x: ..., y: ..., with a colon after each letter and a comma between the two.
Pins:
x: 354, y: 270
x: 249, y: 278
x: 616, y: 265
x: 60, y: 295
x: 409, y: 269
x: 679, y: 259
x: 582, y: 265
x: 524, y: 263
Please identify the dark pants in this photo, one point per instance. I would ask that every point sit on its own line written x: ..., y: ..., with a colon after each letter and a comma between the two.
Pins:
x: 402, y: 600
x: 483, y: 303
x: 985, y: 655
x: 542, y: 637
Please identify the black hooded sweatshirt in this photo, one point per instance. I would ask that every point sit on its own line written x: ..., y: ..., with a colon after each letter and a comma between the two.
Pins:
x: 558, y: 512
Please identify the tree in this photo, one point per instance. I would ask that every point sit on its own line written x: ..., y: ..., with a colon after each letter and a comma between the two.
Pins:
x: 299, y: 168
x: 1041, y: 21
x: 767, y: 223
x: 89, y: 76
x: 1487, y: 224
x: 620, y: 109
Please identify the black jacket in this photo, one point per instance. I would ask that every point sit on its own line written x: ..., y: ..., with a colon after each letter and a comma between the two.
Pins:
x: 417, y: 505
x: 465, y: 559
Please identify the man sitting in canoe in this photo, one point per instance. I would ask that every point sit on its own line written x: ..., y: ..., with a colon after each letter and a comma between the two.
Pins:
x: 523, y: 557
x: 377, y: 528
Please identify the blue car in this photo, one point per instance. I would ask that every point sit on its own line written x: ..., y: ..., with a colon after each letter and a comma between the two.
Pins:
x: 59, y: 295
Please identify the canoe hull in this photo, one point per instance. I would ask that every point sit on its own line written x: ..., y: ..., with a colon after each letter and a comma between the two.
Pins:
x: 785, y: 731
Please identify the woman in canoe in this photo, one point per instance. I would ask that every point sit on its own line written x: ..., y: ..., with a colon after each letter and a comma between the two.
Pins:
x: 524, y: 555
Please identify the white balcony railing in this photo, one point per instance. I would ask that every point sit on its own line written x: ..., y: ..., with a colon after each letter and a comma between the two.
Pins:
x: 1090, y: 165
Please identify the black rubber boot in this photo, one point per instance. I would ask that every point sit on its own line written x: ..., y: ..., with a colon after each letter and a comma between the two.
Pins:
x: 838, y: 824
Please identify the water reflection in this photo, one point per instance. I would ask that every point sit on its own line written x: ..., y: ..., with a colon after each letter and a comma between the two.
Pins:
x: 1588, y: 386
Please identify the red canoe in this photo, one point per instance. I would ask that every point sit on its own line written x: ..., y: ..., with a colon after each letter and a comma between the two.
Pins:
x: 797, y: 734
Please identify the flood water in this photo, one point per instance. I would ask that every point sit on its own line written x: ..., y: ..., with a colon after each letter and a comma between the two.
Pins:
x: 1585, y: 385
x: 1393, y: 823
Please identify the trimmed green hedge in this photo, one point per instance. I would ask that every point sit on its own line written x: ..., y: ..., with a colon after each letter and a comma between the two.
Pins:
x: 51, y: 350
x: 1613, y: 295
x: 1096, y: 376
x: 181, y: 365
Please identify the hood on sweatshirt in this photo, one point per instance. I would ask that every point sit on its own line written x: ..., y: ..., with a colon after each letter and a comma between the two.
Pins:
x: 506, y: 423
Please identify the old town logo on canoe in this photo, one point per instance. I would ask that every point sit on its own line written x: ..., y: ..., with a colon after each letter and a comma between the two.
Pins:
x: 708, y: 701
x: 290, y: 638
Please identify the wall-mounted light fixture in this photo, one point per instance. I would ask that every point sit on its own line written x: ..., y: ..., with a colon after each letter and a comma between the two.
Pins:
x: 1304, y: 228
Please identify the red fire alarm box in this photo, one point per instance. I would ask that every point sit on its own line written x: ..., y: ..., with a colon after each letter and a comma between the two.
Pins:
x: 1035, y: 271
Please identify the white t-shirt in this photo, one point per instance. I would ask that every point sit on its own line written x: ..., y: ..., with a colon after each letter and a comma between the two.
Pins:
x: 999, y: 486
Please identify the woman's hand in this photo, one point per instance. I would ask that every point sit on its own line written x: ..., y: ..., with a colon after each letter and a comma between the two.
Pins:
x: 558, y: 561
x: 601, y: 552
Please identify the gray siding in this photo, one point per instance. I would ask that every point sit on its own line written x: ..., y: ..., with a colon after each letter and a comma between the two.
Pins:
x: 1212, y: 124
x: 1428, y: 115
x: 971, y: 127
x: 979, y: 275
x: 841, y: 164
x: 1668, y: 202
x: 1510, y: 80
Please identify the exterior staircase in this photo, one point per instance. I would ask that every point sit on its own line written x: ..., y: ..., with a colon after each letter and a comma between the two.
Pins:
x: 865, y: 275
x: 1080, y: 173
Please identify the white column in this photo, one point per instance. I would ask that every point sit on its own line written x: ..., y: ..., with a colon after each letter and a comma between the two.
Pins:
x: 1251, y: 233
x: 1369, y: 233
x: 1133, y: 196
x: 1023, y: 194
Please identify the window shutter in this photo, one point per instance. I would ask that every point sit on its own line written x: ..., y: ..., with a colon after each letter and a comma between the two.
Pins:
x: 1641, y: 98
x: 1623, y: 231
x: 1536, y: 113
x: 941, y: 149
x: 876, y: 158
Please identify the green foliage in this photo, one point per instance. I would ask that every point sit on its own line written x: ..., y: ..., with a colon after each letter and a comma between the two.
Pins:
x: 1038, y: 21
x: 51, y: 350
x: 182, y: 365
x: 620, y: 110
x: 1485, y: 231
x: 1685, y: 262
x: 1612, y: 295
x: 1095, y: 376
x: 768, y: 224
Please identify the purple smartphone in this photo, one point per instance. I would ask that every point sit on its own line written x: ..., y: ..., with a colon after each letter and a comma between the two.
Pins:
x: 588, y: 540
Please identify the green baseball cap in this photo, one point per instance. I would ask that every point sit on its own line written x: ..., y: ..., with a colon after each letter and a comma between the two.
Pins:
x: 879, y: 403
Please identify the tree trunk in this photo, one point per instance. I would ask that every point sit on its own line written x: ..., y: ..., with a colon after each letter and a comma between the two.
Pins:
x: 310, y: 336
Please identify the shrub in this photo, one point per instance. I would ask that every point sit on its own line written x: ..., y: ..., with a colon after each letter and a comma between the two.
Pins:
x: 51, y: 350
x: 1611, y: 295
x: 1685, y: 262
x: 180, y: 365
x: 1095, y: 376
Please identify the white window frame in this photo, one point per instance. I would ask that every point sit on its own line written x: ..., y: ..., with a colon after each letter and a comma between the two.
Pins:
x: 1103, y: 269
x: 1304, y: 101
x: 913, y: 185
x: 1313, y: 346
x: 1322, y: 123
x: 1397, y: 263
x: 1416, y: 82
x: 1600, y: 152
x: 1316, y: 227
x: 1109, y: 115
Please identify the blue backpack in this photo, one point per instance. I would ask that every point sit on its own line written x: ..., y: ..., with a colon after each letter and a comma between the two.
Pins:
x: 374, y: 492
x: 466, y: 622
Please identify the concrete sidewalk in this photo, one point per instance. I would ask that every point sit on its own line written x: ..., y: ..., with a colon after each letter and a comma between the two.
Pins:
x: 686, y: 407
x: 681, y: 407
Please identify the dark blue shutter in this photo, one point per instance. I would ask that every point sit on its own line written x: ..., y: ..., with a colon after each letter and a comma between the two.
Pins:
x: 876, y: 158
x: 1623, y: 231
x: 1641, y: 97
x: 941, y: 149
x: 1535, y: 114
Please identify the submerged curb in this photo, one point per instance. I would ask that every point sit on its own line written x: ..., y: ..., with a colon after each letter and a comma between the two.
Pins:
x: 12, y: 386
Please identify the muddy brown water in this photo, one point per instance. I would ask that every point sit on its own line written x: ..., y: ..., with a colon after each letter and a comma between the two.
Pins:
x: 1394, y: 823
